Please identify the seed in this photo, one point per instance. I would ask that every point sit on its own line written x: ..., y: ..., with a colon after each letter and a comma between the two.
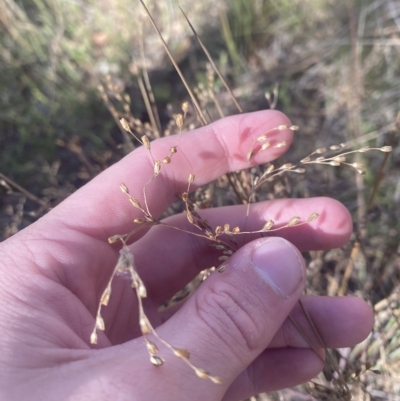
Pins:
x: 146, y: 142
x: 185, y: 107
x: 203, y: 374
x: 250, y: 155
x: 222, y: 268
x: 216, y: 379
x: 100, y: 323
x: 280, y: 144
x: 178, y: 120
x: 93, y: 338
x: 151, y: 347
x: 293, y: 221
x: 156, y: 360
x: 135, y: 202
x: 386, y: 149
x: 266, y: 145
x: 124, y: 188
x: 157, y: 167
x: 312, y: 217
x: 181, y: 353
x: 124, y: 124
x: 105, y: 298
x: 268, y: 225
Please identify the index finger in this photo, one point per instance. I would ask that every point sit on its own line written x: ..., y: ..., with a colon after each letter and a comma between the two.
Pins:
x: 207, y: 152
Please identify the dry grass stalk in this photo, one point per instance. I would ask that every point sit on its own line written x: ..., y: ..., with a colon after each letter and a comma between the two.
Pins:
x: 222, y: 237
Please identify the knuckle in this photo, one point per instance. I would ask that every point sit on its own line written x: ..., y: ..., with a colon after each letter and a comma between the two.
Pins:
x: 231, y: 314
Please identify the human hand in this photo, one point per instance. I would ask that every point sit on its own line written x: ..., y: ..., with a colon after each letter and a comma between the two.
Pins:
x: 235, y: 325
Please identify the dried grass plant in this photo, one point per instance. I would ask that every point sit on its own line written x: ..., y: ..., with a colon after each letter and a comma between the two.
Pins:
x: 244, y: 185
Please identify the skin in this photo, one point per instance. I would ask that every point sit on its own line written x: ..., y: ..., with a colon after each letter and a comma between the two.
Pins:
x: 235, y: 325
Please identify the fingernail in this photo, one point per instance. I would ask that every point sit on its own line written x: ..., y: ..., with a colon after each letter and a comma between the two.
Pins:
x: 279, y: 264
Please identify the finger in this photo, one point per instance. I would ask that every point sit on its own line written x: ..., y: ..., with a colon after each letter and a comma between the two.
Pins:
x: 340, y: 322
x: 207, y: 152
x: 274, y: 370
x: 332, y: 229
x: 232, y: 318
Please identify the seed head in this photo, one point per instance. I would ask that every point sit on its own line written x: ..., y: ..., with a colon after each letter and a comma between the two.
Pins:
x: 151, y: 347
x: 185, y: 107
x: 178, y: 120
x: 386, y: 149
x: 145, y: 141
x: 268, y: 225
x: 181, y: 353
x: 124, y: 124
x: 250, y: 155
x: 93, y: 337
x: 144, y: 325
x: 139, y: 220
x: 216, y: 379
x: 286, y: 166
x: 157, y: 168
x: 124, y: 188
x: 222, y: 268
x: 293, y: 221
x: 113, y: 239
x: 312, y: 217
x: 105, y: 298
x: 156, y: 360
x: 100, y: 323
x: 142, y: 290
x: 203, y: 374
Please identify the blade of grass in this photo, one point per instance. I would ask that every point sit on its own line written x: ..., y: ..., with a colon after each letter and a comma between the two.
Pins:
x: 155, y: 118
x: 210, y: 59
x: 178, y: 70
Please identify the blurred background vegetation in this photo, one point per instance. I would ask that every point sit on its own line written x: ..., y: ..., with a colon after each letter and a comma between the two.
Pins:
x: 332, y: 66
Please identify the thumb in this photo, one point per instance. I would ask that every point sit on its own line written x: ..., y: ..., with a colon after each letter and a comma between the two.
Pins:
x: 234, y: 315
